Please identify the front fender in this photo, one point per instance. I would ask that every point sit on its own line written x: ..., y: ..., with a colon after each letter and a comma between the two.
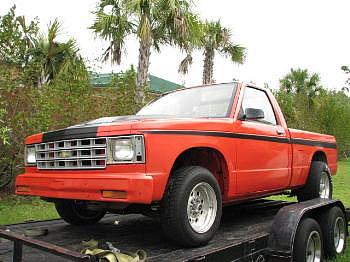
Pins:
x: 162, y: 150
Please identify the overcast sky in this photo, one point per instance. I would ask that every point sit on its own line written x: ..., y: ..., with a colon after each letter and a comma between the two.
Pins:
x: 279, y: 35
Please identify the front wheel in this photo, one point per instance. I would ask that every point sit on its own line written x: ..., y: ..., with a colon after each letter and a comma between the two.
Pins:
x: 191, y: 207
x: 319, y: 183
x: 75, y: 212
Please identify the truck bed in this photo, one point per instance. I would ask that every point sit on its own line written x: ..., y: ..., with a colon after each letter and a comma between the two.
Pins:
x: 243, y: 231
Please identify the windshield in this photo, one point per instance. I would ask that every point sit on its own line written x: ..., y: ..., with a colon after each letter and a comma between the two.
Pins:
x: 207, y: 101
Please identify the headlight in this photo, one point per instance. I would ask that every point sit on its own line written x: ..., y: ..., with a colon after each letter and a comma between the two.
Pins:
x: 126, y: 149
x: 30, y: 158
x: 123, y: 149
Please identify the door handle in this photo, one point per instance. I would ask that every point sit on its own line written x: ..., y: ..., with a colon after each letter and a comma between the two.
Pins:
x: 280, y: 132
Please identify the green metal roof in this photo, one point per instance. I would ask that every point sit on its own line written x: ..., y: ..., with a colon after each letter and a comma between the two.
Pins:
x: 160, y: 85
x: 100, y: 80
x: 156, y: 84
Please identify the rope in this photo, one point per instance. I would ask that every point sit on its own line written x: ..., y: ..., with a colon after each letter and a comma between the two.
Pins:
x: 113, y: 254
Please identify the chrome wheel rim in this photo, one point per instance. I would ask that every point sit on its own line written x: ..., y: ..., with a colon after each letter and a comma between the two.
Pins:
x: 202, y: 207
x: 313, y: 247
x: 339, y: 235
x: 324, y: 185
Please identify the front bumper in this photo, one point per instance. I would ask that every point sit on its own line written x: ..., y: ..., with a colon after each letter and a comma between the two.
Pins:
x: 87, y: 186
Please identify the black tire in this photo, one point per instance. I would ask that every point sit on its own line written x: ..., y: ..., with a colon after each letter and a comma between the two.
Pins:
x: 328, y: 221
x: 174, y: 217
x: 306, y: 229
x: 311, y: 189
x: 75, y: 212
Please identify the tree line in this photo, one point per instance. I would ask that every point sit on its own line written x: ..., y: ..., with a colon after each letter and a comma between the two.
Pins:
x: 308, y: 105
x: 45, y: 83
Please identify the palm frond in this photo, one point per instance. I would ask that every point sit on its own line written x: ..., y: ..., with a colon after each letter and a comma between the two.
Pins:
x: 53, y: 31
x: 106, y: 54
x: 225, y: 36
x: 236, y: 53
x: 114, y: 28
x: 299, y: 81
x: 53, y: 57
x: 185, y: 64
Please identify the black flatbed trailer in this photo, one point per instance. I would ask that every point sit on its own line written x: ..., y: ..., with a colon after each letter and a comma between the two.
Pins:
x: 259, y: 230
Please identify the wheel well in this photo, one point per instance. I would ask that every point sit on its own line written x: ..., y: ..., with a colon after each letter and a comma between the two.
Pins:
x: 208, y: 158
x: 319, y: 156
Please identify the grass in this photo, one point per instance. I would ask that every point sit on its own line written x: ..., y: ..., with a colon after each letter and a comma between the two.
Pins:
x: 342, y: 183
x: 17, y: 209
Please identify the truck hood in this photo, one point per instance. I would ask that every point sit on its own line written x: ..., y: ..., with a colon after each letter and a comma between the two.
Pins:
x: 116, y: 121
x: 123, y: 125
x: 136, y: 123
x: 157, y: 122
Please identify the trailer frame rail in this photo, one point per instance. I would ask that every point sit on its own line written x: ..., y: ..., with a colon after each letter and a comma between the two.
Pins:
x: 20, y: 240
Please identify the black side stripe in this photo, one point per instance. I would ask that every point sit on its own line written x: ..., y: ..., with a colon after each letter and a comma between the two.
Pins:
x: 70, y: 133
x: 245, y: 136
x: 307, y: 142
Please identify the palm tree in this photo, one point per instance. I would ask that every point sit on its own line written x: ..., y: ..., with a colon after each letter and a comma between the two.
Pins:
x: 215, y: 38
x: 52, y: 58
x: 153, y: 22
x: 300, y: 82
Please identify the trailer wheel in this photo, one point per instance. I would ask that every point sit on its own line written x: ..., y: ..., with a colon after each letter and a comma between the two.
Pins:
x: 318, y: 184
x: 75, y: 212
x: 333, y: 227
x: 308, y: 246
x: 191, y: 206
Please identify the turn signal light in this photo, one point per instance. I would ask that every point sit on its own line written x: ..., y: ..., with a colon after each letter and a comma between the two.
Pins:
x: 114, y: 194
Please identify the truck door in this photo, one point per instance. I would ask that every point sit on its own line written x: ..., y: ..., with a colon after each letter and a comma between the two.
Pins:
x: 263, y: 146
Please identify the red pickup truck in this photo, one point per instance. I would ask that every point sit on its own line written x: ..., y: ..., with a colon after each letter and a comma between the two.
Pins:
x: 181, y: 157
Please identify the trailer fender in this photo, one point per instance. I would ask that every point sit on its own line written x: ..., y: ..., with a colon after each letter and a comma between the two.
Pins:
x: 286, y: 221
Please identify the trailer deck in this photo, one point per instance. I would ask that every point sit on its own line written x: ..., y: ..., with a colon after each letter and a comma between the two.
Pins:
x: 243, y: 234
x: 243, y: 231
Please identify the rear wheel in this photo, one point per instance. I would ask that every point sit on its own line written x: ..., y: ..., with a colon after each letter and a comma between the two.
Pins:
x: 75, y: 212
x: 308, y: 244
x: 333, y: 227
x: 318, y: 184
x: 191, y: 207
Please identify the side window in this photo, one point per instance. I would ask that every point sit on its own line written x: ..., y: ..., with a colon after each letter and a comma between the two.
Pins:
x: 255, y: 98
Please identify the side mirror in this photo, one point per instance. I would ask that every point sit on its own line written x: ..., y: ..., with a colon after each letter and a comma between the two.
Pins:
x: 253, y: 114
